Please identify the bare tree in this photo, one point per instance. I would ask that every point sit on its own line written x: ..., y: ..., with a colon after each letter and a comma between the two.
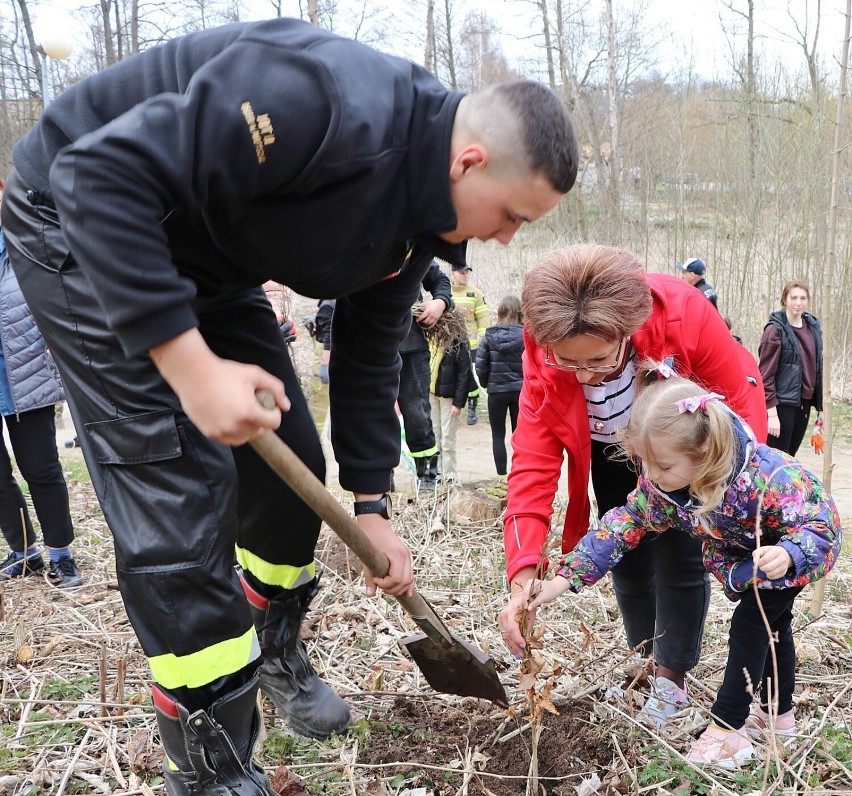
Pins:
x: 831, y: 268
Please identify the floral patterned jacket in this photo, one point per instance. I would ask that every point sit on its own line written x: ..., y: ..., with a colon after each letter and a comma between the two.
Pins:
x: 796, y: 512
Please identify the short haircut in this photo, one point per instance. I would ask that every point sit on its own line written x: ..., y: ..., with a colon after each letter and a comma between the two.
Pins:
x: 705, y: 436
x: 585, y: 289
x: 509, y: 310
x: 794, y: 283
x: 501, y: 115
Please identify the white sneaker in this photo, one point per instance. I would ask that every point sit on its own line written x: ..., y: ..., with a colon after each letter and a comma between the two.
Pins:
x: 666, y: 699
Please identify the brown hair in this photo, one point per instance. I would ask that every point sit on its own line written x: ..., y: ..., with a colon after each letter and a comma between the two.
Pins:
x: 794, y: 283
x: 706, y: 436
x: 585, y: 289
x: 509, y: 310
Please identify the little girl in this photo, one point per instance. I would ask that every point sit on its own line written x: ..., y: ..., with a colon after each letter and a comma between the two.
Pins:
x: 768, y: 527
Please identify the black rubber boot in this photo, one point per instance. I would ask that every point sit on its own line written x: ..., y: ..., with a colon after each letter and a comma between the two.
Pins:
x: 432, y: 470
x: 304, y: 701
x: 209, y: 752
x: 425, y: 478
x: 472, y: 418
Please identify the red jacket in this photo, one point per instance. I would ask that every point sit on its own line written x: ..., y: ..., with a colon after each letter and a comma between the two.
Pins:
x: 552, y: 420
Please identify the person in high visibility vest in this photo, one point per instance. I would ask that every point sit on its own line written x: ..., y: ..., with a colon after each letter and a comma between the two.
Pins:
x: 470, y: 301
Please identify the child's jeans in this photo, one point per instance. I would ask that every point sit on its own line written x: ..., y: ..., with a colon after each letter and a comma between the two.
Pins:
x: 748, y: 649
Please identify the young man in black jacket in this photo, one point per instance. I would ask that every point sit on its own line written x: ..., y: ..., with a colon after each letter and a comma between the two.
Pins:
x: 183, y: 178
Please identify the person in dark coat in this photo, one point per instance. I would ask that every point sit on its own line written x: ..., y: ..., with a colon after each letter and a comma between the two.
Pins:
x: 791, y: 366
x: 145, y: 210
x: 413, y: 397
x: 498, y: 365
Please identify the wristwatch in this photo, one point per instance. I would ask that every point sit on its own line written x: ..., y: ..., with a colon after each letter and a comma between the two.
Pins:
x: 382, y: 506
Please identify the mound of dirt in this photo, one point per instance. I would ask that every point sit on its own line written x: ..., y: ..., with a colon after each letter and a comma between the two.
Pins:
x: 571, y: 748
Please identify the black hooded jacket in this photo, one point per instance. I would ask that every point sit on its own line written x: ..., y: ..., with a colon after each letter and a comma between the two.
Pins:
x: 255, y: 151
x: 498, y: 358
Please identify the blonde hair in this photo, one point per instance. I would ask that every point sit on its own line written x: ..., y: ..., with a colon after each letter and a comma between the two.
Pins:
x: 705, y: 436
x: 585, y: 289
x: 509, y: 310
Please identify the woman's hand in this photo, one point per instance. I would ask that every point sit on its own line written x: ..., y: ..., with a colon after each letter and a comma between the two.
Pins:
x: 773, y: 423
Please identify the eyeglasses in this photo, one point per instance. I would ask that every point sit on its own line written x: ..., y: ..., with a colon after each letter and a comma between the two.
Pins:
x: 548, y: 360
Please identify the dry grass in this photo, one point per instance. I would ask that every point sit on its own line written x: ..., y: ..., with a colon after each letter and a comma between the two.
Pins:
x: 75, y: 715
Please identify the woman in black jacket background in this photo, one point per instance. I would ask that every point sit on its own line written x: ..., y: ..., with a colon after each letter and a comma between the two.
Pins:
x: 791, y: 367
x: 498, y: 366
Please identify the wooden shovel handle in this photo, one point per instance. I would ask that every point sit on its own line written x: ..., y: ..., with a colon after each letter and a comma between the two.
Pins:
x: 293, y: 471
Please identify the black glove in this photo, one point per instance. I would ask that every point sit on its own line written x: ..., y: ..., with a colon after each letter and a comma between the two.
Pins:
x: 309, y: 324
x: 288, y: 330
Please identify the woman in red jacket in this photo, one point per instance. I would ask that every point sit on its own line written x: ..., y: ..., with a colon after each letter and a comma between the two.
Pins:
x: 592, y: 313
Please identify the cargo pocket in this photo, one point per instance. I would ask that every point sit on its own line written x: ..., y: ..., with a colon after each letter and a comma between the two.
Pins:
x: 164, y: 489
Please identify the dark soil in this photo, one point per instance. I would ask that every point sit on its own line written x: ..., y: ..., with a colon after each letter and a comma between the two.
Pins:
x: 572, y: 747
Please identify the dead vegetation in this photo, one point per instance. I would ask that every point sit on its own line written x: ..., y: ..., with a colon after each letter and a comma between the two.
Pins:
x: 75, y: 715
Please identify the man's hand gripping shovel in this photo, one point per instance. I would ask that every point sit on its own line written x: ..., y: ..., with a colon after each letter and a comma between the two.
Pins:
x: 449, y: 664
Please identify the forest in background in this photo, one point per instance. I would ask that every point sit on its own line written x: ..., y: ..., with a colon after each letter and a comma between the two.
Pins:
x: 736, y: 170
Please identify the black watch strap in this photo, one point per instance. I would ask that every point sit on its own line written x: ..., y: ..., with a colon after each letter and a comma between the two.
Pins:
x: 381, y: 506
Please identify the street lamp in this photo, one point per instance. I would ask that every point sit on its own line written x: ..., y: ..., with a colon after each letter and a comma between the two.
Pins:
x: 53, y: 43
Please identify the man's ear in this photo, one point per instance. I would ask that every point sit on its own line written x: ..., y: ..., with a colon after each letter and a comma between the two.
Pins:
x: 472, y: 156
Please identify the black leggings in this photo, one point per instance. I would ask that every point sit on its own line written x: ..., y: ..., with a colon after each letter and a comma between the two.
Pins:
x: 748, y: 651
x: 499, y: 403
x: 794, y: 425
x: 33, y: 438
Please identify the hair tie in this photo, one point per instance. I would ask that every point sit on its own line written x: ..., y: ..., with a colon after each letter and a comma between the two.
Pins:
x: 696, y: 402
x: 663, y: 371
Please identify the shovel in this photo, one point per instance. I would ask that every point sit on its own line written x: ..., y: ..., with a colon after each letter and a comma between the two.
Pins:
x: 449, y: 664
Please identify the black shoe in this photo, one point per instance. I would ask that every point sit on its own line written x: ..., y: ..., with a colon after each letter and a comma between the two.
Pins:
x: 472, y: 418
x: 64, y: 573
x: 13, y: 567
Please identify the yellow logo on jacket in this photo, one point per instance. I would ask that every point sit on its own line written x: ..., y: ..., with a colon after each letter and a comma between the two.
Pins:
x: 260, y: 129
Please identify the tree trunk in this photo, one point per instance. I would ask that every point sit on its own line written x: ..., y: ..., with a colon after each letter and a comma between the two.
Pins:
x: 614, y: 156
x: 35, y: 50
x: 451, y: 58
x: 429, y: 59
x: 830, y: 266
x: 109, y: 45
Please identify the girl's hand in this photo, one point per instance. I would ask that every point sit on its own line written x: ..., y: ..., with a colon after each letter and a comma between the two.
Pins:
x: 773, y: 560
x: 539, y: 592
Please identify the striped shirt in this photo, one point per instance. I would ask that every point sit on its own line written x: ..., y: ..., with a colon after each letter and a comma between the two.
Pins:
x: 608, y: 404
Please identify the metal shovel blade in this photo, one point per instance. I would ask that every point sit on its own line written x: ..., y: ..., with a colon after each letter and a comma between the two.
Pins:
x: 456, y: 668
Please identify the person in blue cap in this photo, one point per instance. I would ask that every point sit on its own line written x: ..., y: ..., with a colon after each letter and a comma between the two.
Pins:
x: 692, y: 271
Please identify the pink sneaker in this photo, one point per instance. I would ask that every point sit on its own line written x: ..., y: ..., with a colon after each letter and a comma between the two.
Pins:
x: 727, y: 749
x: 757, y: 724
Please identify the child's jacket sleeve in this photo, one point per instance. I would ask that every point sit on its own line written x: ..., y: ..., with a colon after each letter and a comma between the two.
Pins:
x: 621, y: 530
x: 797, y: 513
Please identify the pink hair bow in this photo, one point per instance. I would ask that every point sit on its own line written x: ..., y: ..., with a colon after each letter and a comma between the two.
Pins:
x: 696, y: 402
x: 663, y: 371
